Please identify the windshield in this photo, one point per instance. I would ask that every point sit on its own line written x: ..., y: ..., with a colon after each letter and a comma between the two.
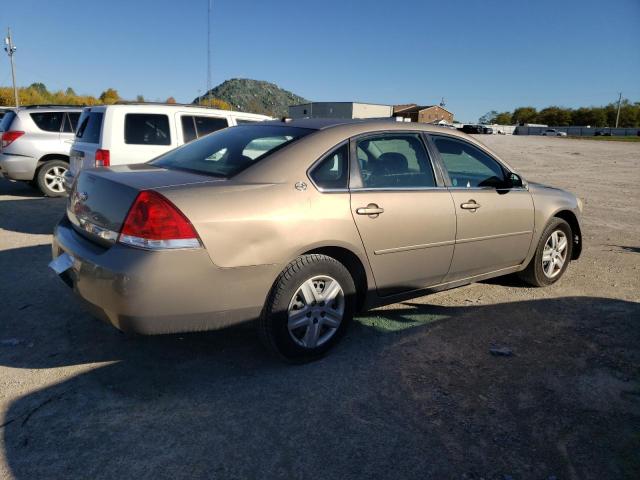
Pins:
x: 227, y: 152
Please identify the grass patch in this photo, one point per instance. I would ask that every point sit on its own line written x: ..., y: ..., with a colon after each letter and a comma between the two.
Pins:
x: 609, y: 139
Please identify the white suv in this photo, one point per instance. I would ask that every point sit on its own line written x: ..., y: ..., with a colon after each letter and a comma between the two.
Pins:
x: 136, y: 133
x: 35, y: 145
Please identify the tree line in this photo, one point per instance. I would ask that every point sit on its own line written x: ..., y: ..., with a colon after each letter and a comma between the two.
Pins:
x: 562, y: 117
x: 38, y: 94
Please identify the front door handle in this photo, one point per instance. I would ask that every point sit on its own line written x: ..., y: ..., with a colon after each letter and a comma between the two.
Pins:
x: 470, y: 205
x: 372, y: 210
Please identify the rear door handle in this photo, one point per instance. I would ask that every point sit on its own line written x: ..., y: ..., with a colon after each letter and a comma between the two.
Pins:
x: 372, y: 210
x: 470, y: 205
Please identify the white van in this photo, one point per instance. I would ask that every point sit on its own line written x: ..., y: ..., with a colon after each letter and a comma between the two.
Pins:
x: 136, y: 133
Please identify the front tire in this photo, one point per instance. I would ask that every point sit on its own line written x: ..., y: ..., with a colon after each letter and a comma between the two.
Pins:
x: 552, y: 256
x: 50, y: 178
x: 308, y: 309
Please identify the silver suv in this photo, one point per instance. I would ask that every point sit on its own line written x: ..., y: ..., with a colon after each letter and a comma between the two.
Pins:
x: 35, y: 146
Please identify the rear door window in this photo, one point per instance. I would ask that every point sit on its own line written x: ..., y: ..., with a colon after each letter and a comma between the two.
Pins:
x: 394, y: 161
x: 70, y: 122
x: 146, y: 129
x: 90, y: 126
x: 188, y: 128
x: 207, y: 125
x: 48, y: 121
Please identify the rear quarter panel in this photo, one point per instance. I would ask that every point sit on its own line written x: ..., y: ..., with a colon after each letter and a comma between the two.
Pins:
x: 258, y: 224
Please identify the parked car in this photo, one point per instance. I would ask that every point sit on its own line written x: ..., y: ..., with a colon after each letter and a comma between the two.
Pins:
x: 471, y: 129
x: 552, y: 132
x: 476, y: 129
x: 35, y: 145
x: 301, y: 224
x: 603, y: 133
x: 135, y: 133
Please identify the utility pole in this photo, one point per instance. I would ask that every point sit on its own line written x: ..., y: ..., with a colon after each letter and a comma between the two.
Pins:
x: 618, y: 114
x: 209, y: 53
x: 10, y: 48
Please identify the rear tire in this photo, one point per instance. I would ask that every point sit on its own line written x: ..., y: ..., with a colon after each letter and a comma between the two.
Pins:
x: 552, y: 256
x: 50, y: 178
x: 308, y: 309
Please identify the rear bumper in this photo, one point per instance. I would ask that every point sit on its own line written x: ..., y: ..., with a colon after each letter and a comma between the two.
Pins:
x: 18, y: 167
x: 150, y: 293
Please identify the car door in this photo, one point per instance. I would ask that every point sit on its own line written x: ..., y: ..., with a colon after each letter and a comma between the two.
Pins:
x: 494, y: 217
x: 192, y: 126
x: 403, y: 212
x: 137, y: 136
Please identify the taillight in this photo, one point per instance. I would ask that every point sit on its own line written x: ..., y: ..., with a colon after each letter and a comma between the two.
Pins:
x: 155, y: 223
x: 103, y: 158
x: 9, y: 137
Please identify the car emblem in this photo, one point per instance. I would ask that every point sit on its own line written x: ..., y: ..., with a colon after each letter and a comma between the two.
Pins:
x: 83, y: 196
x: 301, y: 186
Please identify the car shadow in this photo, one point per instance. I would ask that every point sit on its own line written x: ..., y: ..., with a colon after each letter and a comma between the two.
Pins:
x: 412, y: 391
x: 18, y: 189
x: 511, y: 280
x: 627, y: 249
x: 35, y: 216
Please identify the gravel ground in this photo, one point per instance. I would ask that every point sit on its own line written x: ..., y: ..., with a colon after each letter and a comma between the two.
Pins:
x: 412, y: 392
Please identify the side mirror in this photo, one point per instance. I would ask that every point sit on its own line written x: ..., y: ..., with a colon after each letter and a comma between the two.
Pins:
x: 516, y: 181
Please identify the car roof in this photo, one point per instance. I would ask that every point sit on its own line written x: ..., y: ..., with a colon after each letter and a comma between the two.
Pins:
x: 149, y: 106
x: 340, y: 129
x: 49, y: 108
x: 357, y: 126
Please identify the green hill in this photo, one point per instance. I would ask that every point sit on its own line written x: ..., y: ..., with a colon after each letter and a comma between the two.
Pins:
x: 255, y: 96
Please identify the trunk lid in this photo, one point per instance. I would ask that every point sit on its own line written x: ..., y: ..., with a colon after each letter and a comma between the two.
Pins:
x: 101, y: 198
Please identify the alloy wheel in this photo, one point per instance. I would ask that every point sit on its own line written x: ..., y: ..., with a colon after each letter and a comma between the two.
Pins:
x: 554, y: 254
x: 54, y: 178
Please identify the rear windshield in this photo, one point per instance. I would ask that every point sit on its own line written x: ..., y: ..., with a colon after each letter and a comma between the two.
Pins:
x: 90, y: 126
x: 227, y: 152
x: 5, y: 123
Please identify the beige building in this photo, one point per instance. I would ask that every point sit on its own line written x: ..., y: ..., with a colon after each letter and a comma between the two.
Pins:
x: 424, y: 113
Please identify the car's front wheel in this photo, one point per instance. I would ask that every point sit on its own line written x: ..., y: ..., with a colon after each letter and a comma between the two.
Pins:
x: 552, y: 255
x: 308, y: 309
x: 50, y: 178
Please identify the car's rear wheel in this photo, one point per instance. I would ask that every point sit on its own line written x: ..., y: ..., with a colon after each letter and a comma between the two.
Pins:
x: 50, y: 178
x: 308, y: 309
x: 552, y: 255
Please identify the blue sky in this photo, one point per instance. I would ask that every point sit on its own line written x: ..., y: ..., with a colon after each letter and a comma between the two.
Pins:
x: 478, y: 55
